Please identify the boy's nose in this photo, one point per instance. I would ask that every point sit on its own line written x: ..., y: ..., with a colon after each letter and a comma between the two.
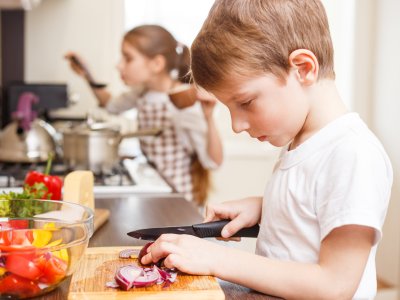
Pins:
x: 239, y: 124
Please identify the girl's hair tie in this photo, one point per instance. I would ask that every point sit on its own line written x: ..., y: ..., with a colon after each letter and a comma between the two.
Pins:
x: 179, y: 48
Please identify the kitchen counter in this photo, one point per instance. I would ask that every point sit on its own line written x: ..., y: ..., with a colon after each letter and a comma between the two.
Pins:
x: 148, y: 211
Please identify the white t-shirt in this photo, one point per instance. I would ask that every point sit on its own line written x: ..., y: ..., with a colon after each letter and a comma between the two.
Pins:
x: 190, y: 123
x: 339, y: 176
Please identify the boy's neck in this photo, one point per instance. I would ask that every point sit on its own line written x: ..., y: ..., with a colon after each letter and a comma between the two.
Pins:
x: 325, y: 106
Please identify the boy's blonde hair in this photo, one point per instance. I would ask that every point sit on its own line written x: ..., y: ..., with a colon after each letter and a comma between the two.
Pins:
x: 253, y: 37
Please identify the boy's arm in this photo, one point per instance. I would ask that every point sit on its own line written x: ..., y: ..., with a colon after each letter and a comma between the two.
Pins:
x: 343, y: 257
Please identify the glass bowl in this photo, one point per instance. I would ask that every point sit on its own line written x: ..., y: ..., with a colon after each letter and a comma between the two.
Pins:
x: 41, y: 244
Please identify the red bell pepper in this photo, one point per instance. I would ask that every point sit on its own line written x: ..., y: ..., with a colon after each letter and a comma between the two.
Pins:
x: 53, y: 183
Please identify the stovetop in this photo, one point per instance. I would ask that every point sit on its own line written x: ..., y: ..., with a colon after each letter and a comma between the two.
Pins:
x: 13, y: 174
x: 128, y: 176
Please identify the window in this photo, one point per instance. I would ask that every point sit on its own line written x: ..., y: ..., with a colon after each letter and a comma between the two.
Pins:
x: 183, y: 18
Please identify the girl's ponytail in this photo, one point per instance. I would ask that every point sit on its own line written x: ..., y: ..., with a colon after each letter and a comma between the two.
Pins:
x: 182, y: 64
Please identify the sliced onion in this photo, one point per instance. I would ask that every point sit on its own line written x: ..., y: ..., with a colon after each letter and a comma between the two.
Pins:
x: 149, y: 278
x: 112, y: 284
x: 131, y: 276
x: 126, y: 276
x: 129, y: 253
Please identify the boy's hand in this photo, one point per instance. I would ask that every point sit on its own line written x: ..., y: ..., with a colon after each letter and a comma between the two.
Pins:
x: 187, y: 253
x: 243, y: 213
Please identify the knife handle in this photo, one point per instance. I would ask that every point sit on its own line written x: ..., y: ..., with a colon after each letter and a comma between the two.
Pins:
x: 213, y: 229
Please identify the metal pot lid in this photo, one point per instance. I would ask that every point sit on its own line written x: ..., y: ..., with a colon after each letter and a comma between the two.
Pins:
x: 86, y: 129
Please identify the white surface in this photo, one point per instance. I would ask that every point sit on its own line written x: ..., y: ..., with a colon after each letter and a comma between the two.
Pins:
x: 146, y: 178
x: 385, y: 87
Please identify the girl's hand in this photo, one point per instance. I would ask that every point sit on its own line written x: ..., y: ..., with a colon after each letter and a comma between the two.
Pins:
x: 208, y: 102
x: 243, y: 213
x: 77, y: 64
x: 208, y: 107
x: 187, y: 253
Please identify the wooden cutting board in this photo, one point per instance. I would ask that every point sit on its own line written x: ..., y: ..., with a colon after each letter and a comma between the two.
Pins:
x: 99, y: 265
x: 101, y: 215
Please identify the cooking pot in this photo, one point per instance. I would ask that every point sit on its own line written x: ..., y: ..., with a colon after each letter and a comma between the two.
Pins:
x: 95, y: 146
x: 28, y: 145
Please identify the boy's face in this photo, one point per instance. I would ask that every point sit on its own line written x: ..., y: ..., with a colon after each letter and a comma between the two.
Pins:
x: 266, y: 108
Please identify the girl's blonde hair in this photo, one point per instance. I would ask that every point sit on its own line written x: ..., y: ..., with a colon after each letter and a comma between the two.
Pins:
x: 253, y: 37
x: 153, y: 40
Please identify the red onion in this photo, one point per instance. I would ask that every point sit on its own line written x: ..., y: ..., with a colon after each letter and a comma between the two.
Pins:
x: 133, y: 276
x: 129, y: 253
x: 130, y: 276
x: 143, y: 252
x: 126, y: 276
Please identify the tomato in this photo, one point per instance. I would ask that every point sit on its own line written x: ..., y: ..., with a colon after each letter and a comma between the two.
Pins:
x: 26, y: 251
x: 19, y: 224
x: 22, y: 266
x: 17, y: 237
x: 16, y: 285
x: 53, y: 269
x: 13, y: 233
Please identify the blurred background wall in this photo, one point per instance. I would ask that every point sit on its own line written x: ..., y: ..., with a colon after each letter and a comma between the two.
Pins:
x: 366, y: 36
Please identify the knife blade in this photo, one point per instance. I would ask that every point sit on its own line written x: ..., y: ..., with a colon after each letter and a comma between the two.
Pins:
x: 203, y: 230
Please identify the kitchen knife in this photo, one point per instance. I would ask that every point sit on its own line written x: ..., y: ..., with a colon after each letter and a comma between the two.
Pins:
x: 203, y: 230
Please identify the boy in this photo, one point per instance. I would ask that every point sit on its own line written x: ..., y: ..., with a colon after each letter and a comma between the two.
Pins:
x: 271, y: 63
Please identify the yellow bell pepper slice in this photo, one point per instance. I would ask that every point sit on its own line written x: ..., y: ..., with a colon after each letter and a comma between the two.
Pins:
x: 55, y: 243
x: 41, y: 237
x: 62, y: 254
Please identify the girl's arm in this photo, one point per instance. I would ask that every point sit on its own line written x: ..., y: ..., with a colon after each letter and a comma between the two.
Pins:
x: 337, y: 274
x: 78, y: 65
x: 103, y: 96
x: 214, y: 144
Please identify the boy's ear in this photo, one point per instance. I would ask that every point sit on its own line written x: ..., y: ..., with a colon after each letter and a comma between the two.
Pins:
x: 158, y: 63
x: 305, y: 64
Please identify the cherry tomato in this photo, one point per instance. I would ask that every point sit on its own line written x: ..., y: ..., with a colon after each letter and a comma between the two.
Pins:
x: 10, y: 236
x: 19, y: 224
x: 17, y: 237
x: 53, y: 269
x: 16, y: 285
x: 20, y: 265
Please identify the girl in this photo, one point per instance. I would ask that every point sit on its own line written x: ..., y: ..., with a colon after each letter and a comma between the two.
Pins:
x: 321, y: 216
x: 153, y: 63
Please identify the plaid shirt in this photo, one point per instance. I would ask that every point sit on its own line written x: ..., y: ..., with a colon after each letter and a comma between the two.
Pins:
x: 184, y: 135
x: 170, y: 156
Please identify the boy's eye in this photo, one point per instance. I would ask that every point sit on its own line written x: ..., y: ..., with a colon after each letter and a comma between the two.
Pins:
x: 246, y: 103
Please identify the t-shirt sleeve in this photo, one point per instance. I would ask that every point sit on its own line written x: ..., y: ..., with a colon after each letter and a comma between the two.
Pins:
x: 192, y: 129
x: 354, y: 189
x: 123, y: 102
